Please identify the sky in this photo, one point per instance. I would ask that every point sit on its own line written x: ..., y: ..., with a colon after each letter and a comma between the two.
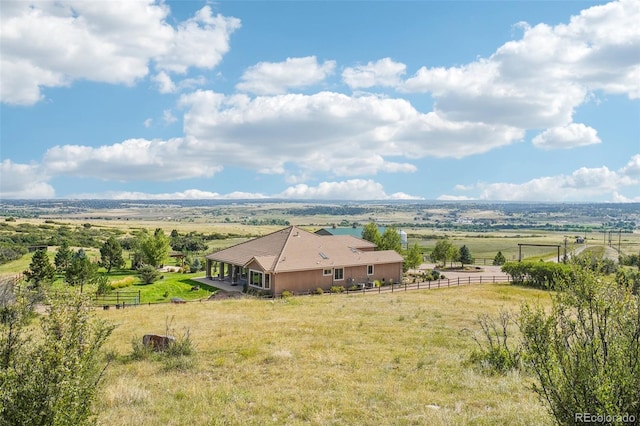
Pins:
x: 320, y: 100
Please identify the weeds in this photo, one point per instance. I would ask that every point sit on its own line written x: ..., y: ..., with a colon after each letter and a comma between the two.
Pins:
x: 495, y: 354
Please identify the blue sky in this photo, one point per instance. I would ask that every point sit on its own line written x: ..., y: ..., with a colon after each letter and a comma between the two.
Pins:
x: 355, y: 100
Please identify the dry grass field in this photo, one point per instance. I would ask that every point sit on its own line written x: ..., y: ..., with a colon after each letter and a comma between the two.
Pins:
x: 321, y: 360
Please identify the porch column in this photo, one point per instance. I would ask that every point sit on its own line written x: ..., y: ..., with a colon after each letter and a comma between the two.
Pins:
x: 221, y: 272
x: 208, y: 269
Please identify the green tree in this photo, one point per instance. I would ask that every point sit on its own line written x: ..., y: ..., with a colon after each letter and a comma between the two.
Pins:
x: 195, y: 266
x: 154, y: 248
x: 443, y: 251
x: 499, y: 259
x: 111, y: 254
x: 465, y: 256
x: 391, y: 240
x: 40, y: 271
x: 63, y: 256
x: 81, y: 271
x: 371, y: 233
x: 148, y: 274
x: 584, y: 353
x: 413, y: 259
x: 50, y: 370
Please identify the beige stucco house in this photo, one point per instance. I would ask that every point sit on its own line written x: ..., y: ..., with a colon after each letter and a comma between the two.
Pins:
x: 299, y: 261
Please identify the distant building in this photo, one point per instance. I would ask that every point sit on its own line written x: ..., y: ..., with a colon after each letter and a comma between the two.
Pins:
x: 299, y: 261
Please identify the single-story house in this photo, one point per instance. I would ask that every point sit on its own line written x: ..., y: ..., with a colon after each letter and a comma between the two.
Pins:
x: 300, y: 261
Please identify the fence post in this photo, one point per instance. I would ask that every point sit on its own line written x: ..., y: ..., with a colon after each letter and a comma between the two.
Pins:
x: 469, y: 279
x: 449, y: 281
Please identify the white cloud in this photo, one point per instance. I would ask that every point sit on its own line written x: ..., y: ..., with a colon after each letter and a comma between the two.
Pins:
x: 353, y: 189
x: 52, y: 44
x: 164, y: 82
x: 538, y: 81
x: 24, y: 181
x: 384, y: 72
x: 148, y: 122
x: 570, y: 136
x: 189, y: 194
x: 447, y: 197
x: 199, y: 42
x: 632, y: 168
x: 267, y: 78
x: 329, y: 132
x: 583, y: 184
x: 133, y: 159
x: 168, y: 117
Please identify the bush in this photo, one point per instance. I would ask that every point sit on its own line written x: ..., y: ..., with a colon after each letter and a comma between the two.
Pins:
x: 148, y: 274
x: 584, y: 353
x: 121, y: 283
x: 495, y: 354
x: 49, y: 376
x: 537, y: 274
x: 318, y: 291
x: 336, y: 289
x: 286, y: 294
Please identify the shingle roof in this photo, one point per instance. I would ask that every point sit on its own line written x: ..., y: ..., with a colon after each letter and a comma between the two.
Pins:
x: 294, y: 249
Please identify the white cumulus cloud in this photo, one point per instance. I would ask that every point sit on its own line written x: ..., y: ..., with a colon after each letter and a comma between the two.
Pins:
x: 267, y: 78
x: 570, y: 136
x: 52, y: 44
x: 24, y: 181
x: 384, y: 72
x: 538, y: 81
x: 353, y: 189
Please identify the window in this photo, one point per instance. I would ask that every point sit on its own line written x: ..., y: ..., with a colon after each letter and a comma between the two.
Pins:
x: 338, y: 274
x: 255, y: 278
x: 267, y: 281
x: 326, y: 272
x: 369, y: 269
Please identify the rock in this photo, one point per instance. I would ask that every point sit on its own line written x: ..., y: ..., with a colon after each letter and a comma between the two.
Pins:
x: 177, y: 300
x: 157, y: 342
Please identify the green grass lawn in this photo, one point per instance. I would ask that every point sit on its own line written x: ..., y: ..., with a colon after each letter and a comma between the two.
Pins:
x: 390, y: 359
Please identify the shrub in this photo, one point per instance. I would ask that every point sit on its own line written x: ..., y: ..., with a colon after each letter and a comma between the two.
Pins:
x: 584, y: 353
x: 318, y: 291
x: 286, y: 294
x: 336, y: 289
x: 121, y: 283
x: 494, y: 353
x: 49, y: 373
x: 148, y: 274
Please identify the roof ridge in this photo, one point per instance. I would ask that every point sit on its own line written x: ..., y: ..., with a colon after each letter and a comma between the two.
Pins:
x: 279, y: 257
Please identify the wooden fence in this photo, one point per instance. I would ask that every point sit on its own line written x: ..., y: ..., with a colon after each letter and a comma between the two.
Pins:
x: 425, y: 285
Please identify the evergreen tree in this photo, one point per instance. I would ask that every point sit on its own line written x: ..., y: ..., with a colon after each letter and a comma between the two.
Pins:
x: 63, y: 256
x: 81, y: 271
x: 465, y: 256
x: 111, y: 254
x: 499, y: 259
x: 40, y: 270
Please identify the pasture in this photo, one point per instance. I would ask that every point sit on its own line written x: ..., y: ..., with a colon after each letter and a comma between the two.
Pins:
x: 334, y: 359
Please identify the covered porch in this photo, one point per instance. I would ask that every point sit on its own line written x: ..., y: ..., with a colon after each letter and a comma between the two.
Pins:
x: 229, y: 273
